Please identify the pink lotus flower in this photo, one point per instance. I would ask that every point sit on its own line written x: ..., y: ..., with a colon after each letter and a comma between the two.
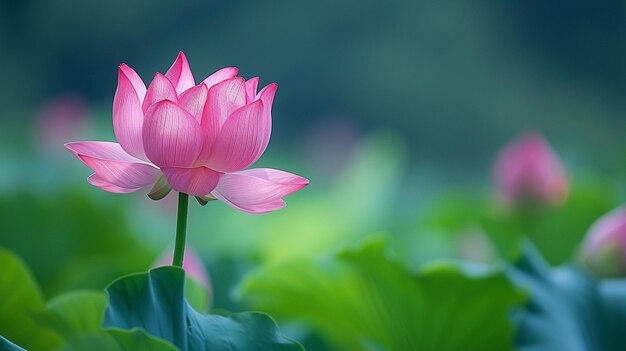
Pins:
x: 604, y: 249
x: 195, y: 139
x: 527, y: 171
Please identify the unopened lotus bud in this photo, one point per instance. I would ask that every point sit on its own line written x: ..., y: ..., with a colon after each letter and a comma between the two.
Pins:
x: 604, y: 249
x: 528, y: 172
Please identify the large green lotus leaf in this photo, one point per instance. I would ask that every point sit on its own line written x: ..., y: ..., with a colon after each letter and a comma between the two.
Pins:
x: 73, y: 313
x: 116, y: 340
x: 568, y: 310
x: 155, y: 302
x: 77, y: 318
x: 362, y: 300
x: 6, y: 345
x: 20, y: 300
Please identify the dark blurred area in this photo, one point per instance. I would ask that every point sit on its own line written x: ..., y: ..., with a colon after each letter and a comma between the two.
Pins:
x: 455, y: 80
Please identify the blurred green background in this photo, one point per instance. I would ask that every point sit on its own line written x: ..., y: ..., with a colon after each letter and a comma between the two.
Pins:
x: 391, y: 108
x: 453, y: 80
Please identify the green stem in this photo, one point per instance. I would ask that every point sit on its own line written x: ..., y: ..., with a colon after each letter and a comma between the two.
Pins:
x: 181, y: 229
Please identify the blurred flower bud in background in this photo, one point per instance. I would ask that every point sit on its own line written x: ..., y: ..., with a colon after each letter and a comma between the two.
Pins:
x: 528, y: 172
x: 192, y: 265
x: 62, y: 119
x: 604, y: 249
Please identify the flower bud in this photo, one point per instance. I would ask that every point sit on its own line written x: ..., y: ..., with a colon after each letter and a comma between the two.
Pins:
x: 192, y: 265
x: 63, y: 118
x: 604, y: 249
x: 528, y: 172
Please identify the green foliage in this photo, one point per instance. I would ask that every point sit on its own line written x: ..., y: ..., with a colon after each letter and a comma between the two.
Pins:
x: 357, y: 300
x: 6, y: 345
x: 77, y: 317
x: 117, y: 340
x: 154, y: 301
x: 74, y: 313
x: 556, y: 232
x: 73, y: 321
x: 21, y: 300
x: 70, y: 321
x: 197, y: 295
x: 567, y: 309
x: 71, y: 241
x: 362, y: 300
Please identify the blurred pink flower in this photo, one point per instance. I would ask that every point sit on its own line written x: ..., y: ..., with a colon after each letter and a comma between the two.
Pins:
x: 604, y: 249
x: 192, y: 264
x: 60, y: 119
x: 196, y: 139
x: 527, y: 171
